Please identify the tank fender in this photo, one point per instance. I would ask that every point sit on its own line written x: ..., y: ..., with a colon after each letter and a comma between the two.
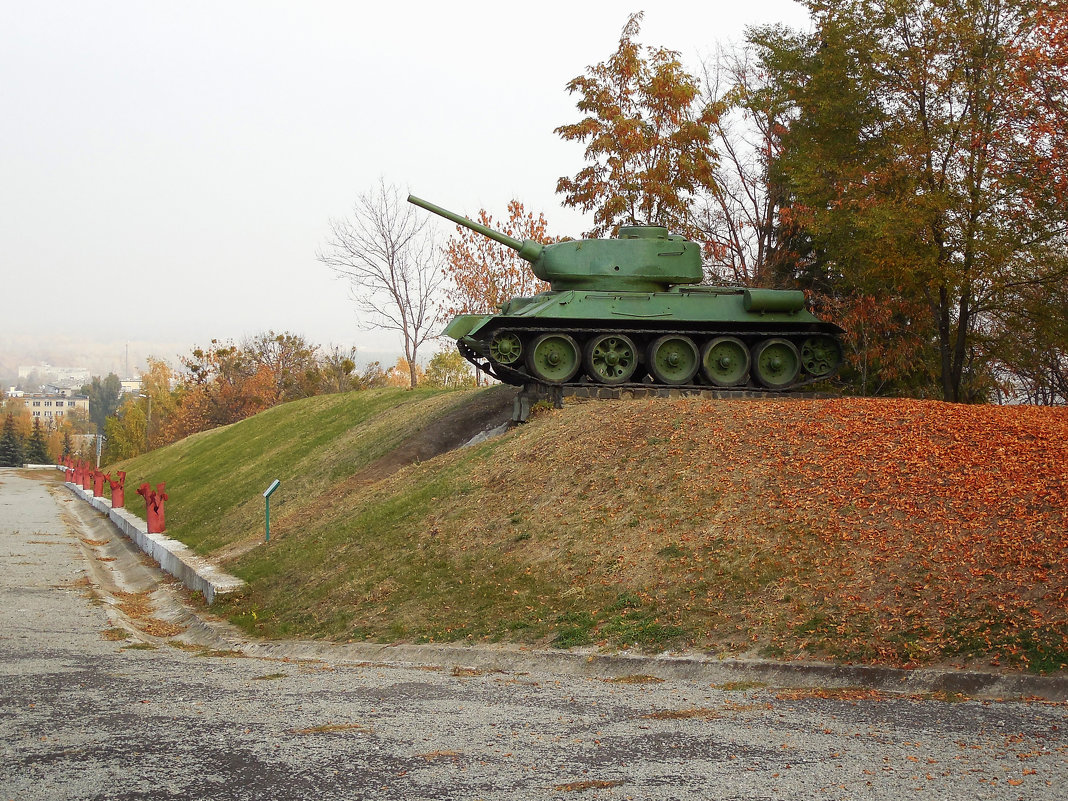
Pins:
x: 464, y: 325
x: 773, y: 300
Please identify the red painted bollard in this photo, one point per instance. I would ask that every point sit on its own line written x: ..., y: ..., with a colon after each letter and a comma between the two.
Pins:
x: 78, y: 472
x: 70, y: 474
x: 118, y: 491
x: 87, y: 478
x: 98, y: 483
x: 154, y: 513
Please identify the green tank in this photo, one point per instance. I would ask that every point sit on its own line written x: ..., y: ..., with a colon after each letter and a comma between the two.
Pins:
x: 629, y: 311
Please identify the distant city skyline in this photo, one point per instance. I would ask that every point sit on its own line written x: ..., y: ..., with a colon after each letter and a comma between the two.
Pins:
x: 110, y: 357
x: 60, y: 372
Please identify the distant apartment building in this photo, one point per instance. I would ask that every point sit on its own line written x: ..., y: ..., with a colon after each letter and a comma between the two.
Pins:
x: 56, y: 407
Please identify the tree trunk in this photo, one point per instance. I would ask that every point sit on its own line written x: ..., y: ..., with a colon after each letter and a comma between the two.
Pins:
x: 945, y: 348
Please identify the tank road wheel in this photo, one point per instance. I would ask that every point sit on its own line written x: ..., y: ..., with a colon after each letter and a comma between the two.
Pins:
x: 821, y: 355
x: 610, y: 358
x: 725, y: 361
x: 553, y: 358
x: 776, y: 363
x: 673, y: 359
x: 506, y: 348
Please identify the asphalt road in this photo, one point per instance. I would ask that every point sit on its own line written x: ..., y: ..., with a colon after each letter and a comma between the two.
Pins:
x: 92, y: 708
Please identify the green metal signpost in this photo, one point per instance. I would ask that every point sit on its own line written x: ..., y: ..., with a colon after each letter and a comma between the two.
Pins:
x: 267, y: 500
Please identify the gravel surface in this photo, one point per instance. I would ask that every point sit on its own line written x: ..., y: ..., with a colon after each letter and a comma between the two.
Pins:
x: 93, y: 707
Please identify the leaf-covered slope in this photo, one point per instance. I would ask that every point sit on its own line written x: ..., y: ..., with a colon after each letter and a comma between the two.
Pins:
x: 884, y: 531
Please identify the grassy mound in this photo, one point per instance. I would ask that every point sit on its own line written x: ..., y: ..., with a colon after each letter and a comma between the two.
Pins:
x: 881, y: 531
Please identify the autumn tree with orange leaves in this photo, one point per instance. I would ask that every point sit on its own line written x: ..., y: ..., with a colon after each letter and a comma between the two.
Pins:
x: 221, y: 384
x: 482, y: 274
x: 648, y: 141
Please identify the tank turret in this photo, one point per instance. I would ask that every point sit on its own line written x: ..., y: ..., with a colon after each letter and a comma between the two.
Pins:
x: 628, y: 310
x: 643, y: 258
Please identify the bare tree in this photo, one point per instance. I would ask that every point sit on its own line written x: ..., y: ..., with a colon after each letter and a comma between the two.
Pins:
x: 739, y: 215
x: 386, y: 251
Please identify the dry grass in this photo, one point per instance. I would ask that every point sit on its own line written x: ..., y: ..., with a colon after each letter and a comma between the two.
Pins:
x: 586, y: 784
x: 684, y: 714
x: 635, y: 679
x: 467, y: 671
x: 835, y: 693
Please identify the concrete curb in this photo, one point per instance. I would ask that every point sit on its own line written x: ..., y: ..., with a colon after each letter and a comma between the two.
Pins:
x: 195, y: 572
x: 591, y: 664
x: 972, y: 684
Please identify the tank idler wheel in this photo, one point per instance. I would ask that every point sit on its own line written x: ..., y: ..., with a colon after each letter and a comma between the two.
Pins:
x: 821, y: 355
x: 506, y: 348
x: 553, y: 358
x: 610, y: 358
x: 776, y: 363
x: 725, y: 361
x: 673, y: 359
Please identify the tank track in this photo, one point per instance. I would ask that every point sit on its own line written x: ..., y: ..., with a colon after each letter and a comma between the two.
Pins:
x: 521, y: 376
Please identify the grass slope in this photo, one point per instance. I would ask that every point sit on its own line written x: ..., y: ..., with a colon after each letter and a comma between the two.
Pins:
x: 881, y: 531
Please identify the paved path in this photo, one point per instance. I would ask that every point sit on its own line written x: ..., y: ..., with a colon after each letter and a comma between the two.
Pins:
x: 83, y: 716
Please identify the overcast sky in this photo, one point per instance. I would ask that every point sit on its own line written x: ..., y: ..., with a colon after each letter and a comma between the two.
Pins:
x: 168, y: 169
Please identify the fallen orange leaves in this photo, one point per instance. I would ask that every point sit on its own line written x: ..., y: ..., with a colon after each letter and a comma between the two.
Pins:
x: 892, y: 531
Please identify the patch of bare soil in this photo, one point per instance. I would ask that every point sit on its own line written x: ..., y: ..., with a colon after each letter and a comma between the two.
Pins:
x: 486, y: 411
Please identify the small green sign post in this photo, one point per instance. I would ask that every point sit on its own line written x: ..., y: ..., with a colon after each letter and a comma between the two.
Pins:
x: 267, y: 500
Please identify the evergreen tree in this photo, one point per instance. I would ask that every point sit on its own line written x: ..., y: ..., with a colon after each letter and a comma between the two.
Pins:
x: 68, y: 444
x: 10, y: 446
x: 37, y: 449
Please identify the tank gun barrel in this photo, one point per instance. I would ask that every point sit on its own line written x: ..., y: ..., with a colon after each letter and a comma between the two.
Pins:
x: 527, y: 249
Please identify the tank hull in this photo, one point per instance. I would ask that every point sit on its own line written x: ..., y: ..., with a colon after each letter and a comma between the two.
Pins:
x: 686, y: 336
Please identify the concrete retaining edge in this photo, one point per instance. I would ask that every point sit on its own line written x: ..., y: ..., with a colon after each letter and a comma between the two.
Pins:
x: 688, y: 667
x: 174, y: 557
